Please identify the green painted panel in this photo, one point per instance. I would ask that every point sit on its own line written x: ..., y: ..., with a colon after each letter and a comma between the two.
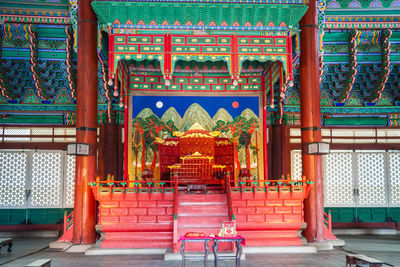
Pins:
x: 4, y: 216
x: 119, y: 40
x: 136, y: 79
x: 394, y: 214
x: 174, y: 87
x: 196, y: 80
x: 159, y: 87
x: 243, y: 40
x: 140, y: 86
x: 17, y: 216
x: 181, y: 80
x: 224, y: 40
x: 32, y: 119
x: 185, y: 49
x: 378, y: 214
x: 250, y: 87
x: 225, y: 81
x: 26, y: 54
x: 201, y: 40
x: 218, y: 88
x: 139, y: 40
x: 126, y: 48
x: 152, y: 80
x: 178, y: 40
x: 254, y: 80
x: 50, y: 32
x: 356, y: 121
x: 275, y: 50
x: 152, y: 48
x: 216, y: 49
x: 35, y: 216
x: 158, y: 39
x: 210, y: 80
x: 196, y: 87
x: 249, y: 49
x: 336, y: 37
x: 232, y: 88
x: 280, y: 41
x: 262, y: 41
x: 364, y: 214
x: 346, y: 214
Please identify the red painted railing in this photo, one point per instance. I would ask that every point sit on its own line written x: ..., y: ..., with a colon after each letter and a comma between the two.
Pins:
x: 296, y: 188
x: 229, y: 195
x: 328, y: 227
x: 68, y: 227
x: 175, y: 224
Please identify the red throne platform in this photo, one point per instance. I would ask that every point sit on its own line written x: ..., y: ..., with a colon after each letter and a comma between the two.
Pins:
x: 152, y: 214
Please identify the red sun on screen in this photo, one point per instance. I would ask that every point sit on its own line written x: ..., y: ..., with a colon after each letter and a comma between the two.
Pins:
x: 235, y: 104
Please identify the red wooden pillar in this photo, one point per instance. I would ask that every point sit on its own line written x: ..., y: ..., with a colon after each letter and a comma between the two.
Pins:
x: 86, y: 124
x: 310, y: 112
x: 108, y: 157
x: 277, y: 149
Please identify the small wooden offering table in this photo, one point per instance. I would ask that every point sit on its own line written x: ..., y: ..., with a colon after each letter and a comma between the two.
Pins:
x: 239, y: 241
x: 185, y: 239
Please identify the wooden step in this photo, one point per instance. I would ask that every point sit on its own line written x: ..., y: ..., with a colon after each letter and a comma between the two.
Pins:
x: 137, y: 244
x: 201, y: 221
x: 206, y: 210
x: 202, y: 199
x: 139, y: 236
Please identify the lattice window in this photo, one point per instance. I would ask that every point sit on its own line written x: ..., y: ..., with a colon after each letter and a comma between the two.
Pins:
x: 12, y: 179
x: 342, y: 141
x: 394, y: 178
x: 371, y: 179
x: 342, y: 132
x: 339, y: 182
x: 46, y: 180
x: 388, y: 132
x: 326, y: 132
x: 16, y: 132
x: 295, y: 132
x: 296, y: 169
x: 69, y: 188
x: 364, y: 133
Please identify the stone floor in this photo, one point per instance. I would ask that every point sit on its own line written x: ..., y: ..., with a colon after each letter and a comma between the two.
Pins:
x: 27, y: 250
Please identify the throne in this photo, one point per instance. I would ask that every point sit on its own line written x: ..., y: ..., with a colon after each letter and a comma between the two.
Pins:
x: 197, y: 156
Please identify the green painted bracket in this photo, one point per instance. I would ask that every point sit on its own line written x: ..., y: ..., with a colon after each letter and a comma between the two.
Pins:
x: 123, y: 184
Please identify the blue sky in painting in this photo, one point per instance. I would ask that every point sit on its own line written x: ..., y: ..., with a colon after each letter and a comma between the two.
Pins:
x: 181, y: 103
